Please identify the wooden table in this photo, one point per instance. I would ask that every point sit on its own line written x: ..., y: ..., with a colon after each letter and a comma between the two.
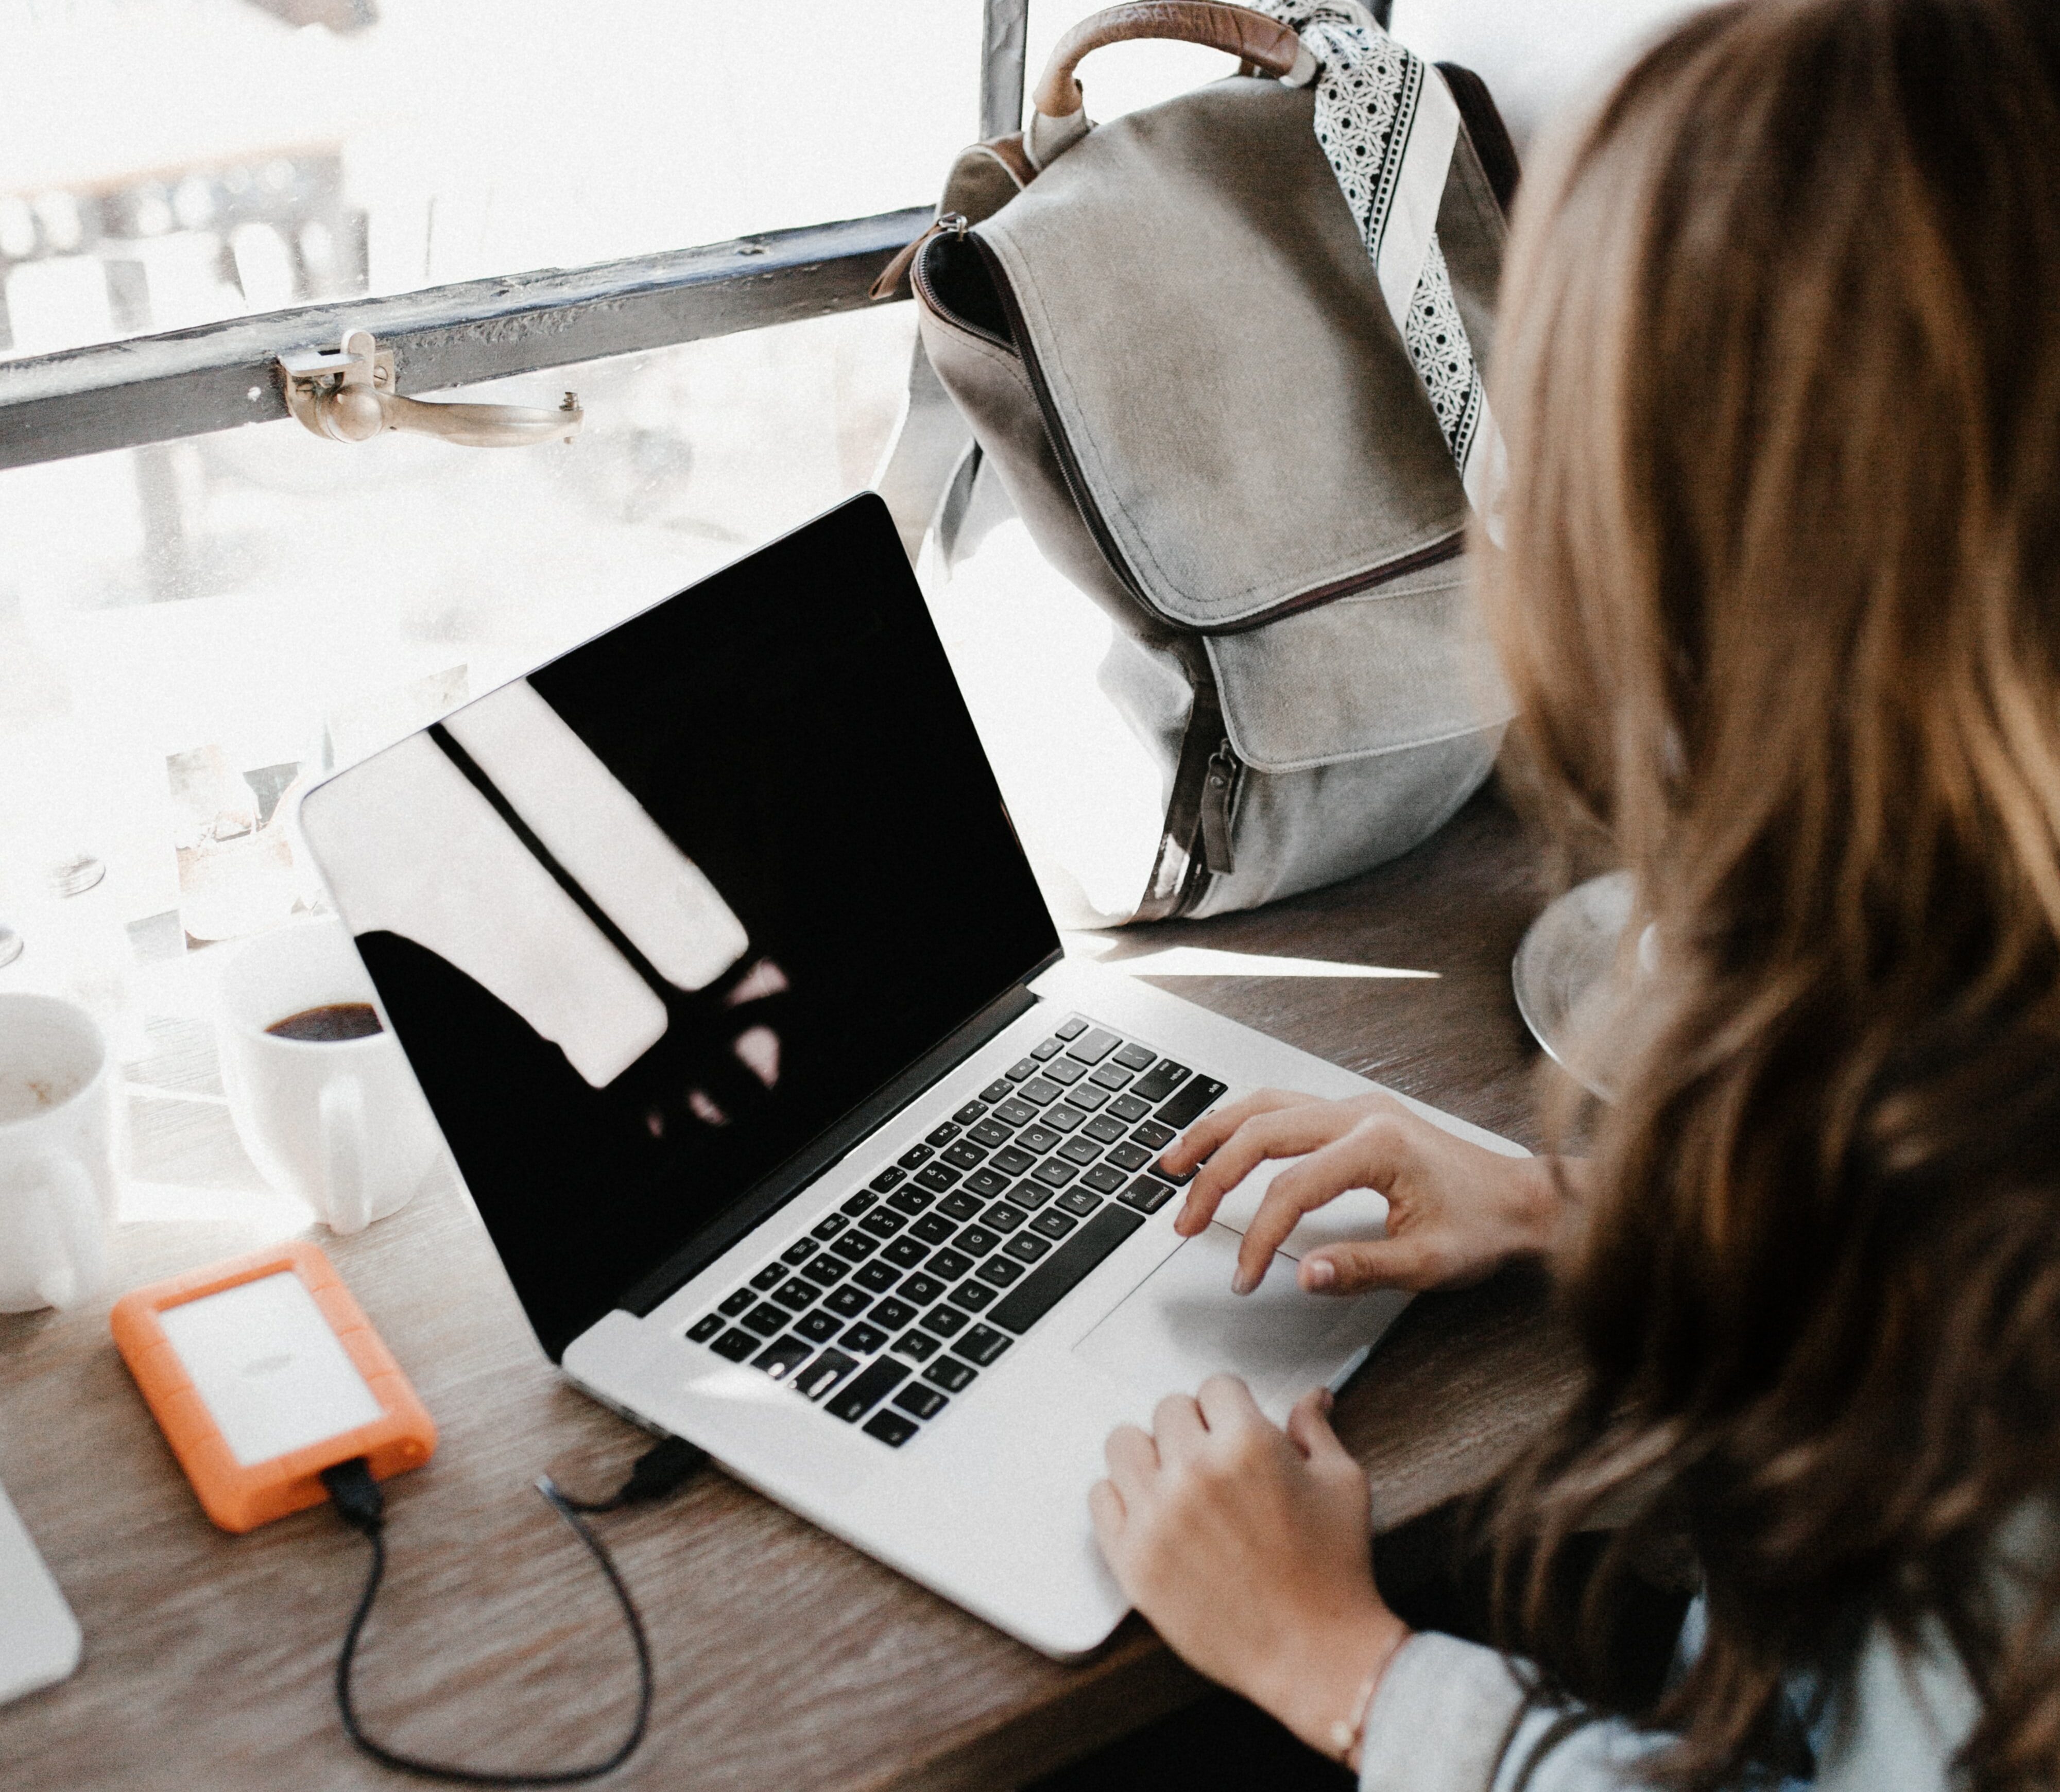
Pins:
x: 783, y: 1657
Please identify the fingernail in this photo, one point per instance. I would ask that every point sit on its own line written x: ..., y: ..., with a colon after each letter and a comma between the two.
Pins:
x: 1320, y: 1274
x: 1243, y: 1282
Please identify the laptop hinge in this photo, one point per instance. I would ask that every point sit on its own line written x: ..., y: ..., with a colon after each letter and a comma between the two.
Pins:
x: 773, y: 1192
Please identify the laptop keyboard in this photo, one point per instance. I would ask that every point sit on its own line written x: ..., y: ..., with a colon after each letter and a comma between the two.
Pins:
x: 896, y: 1301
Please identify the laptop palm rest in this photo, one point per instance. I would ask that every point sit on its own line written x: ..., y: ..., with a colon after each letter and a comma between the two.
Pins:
x: 1182, y: 1324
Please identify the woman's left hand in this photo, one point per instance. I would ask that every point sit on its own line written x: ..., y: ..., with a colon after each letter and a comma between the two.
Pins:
x: 1248, y: 1548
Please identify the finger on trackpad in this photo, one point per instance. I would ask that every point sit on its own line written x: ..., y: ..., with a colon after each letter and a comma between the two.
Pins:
x: 1182, y: 1324
x: 1357, y: 1213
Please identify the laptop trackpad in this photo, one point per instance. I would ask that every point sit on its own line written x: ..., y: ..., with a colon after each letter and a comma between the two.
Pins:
x: 1182, y: 1324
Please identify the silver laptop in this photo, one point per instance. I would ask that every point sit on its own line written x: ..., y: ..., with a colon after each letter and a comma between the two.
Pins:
x: 721, y: 966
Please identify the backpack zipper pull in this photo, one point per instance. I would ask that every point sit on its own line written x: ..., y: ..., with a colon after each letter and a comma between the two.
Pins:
x: 1218, y: 790
x: 891, y: 277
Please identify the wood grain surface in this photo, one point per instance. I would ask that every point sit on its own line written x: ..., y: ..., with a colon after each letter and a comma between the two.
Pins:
x: 784, y: 1658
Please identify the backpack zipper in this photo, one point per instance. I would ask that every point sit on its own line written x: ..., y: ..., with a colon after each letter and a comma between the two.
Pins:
x: 1219, y: 792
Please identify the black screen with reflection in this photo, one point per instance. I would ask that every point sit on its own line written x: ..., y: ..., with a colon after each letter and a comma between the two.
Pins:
x: 792, y: 725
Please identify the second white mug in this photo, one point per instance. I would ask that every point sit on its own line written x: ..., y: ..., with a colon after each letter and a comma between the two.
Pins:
x: 339, y: 1122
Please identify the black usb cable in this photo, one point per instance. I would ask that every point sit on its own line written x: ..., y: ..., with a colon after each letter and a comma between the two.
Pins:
x: 361, y: 1506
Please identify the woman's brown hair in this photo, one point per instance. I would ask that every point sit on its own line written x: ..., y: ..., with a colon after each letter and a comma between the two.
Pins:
x: 1779, y: 598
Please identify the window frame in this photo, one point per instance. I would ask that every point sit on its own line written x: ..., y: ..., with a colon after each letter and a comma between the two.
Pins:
x: 153, y: 389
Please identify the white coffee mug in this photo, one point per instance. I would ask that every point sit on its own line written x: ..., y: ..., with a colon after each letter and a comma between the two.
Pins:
x: 57, y: 1153
x: 340, y: 1122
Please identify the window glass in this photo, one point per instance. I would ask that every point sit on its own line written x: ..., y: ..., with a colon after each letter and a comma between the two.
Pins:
x: 166, y: 163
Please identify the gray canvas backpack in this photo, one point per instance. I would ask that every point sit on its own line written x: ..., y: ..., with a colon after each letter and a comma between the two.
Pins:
x: 1169, y: 343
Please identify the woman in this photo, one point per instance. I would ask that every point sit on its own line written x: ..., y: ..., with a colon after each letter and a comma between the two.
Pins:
x: 1780, y: 372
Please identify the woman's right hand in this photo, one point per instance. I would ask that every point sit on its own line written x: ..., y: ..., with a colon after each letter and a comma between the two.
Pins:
x: 1455, y: 1211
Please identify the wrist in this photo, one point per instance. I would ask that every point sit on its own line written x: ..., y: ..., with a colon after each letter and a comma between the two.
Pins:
x: 1322, y: 1692
x: 1544, y: 1202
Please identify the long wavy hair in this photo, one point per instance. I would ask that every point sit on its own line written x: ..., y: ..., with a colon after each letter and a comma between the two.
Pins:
x: 1779, y: 598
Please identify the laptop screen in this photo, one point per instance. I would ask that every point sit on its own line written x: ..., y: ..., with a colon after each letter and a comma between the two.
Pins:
x: 651, y: 919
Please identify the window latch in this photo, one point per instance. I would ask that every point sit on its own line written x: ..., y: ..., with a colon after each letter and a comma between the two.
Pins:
x: 347, y: 394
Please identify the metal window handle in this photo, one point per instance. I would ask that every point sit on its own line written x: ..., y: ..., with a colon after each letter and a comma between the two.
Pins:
x: 348, y: 395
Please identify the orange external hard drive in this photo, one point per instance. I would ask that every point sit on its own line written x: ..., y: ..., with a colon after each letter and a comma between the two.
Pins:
x: 263, y: 1371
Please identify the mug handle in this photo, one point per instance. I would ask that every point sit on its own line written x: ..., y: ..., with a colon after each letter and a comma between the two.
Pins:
x: 346, y: 1198
x: 61, y: 1232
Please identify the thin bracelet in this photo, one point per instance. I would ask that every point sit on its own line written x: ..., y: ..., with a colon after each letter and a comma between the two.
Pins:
x: 1348, y: 1734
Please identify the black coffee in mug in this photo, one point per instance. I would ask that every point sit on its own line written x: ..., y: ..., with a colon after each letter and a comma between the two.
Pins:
x: 332, y: 1022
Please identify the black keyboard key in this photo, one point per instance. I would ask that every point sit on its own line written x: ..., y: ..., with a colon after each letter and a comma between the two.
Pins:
x: 944, y: 1320
x: 976, y: 1241
x: 925, y: 1402
x: 1087, y: 1097
x: 921, y: 1290
x: 986, y: 1184
x: 904, y: 1253
x: 939, y: 1137
x: 859, y: 1397
x: 948, y: 1371
x: 1129, y: 1108
x: 1049, y: 1048
x: 959, y: 1206
x: 856, y: 1246
x: 884, y: 1222
x: 859, y: 1202
x: 1103, y: 1179
x: 704, y: 1328
x: 1041, y: 1092
x: 1037, y: 1139
x: 933, y: 1228
x: 1148, y: 1195
x: 1002, y: 1272
x: 971, y: 1111
x: 914, y: 1155
x: 996, y: 1091
x: 1186, y: 1107
x: 1130, y: 1157
x: 936, y: 1176
x: 829, y: 1226
x: 1065, y: 1270
x: 765, y: 1319
x: 1101, y: 1127
x: 799, y: 1251
x: 732, y: 1304
x: 1064, y: 1072
x: 826, y: 1269
x: 892, y: 1313
x: 1054, y: 1224
x: 780, y: 1360
x: 983, y: 1344
x: 735, y: 1345
x: 891, y: 1428
x: 1015, y: 1161
x: 820, y: 1326
x: 850, y: 1301
x: 918, y: 1347
x: 1057, y: 1171
x: 974, y: 1297
x: 911, y: 1200
x: 1153, y: 1137
x: 1071, y: 1026
x: 888, y: 1178
x: 1030, y: 1195
x: 1064, y: 1117
x: 1111, y: 1076
x: 949, y: 1265
x: 795, y: 1294
x: 1077, y: 1150
x: 1003, y: 1218
x: 825, y: 1373
x: 1022, y: 1068
x: 1161, y: 1081
x: 769, y: 1278
x: 989, y: 1134
x: 864, y: 1338
x: 1134, y: 1057
x: 1013, y: 1112
x: 879, y: 1277
x: 1028, y: 1247
x: 1092, y: 1047
x: 1079, y: 1201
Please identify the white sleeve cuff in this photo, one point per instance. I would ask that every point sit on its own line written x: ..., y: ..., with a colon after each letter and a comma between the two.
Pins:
x: 1438, y: 1718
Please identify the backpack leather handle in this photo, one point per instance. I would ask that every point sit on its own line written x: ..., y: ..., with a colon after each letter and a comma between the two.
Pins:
x: 1263, y: 43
